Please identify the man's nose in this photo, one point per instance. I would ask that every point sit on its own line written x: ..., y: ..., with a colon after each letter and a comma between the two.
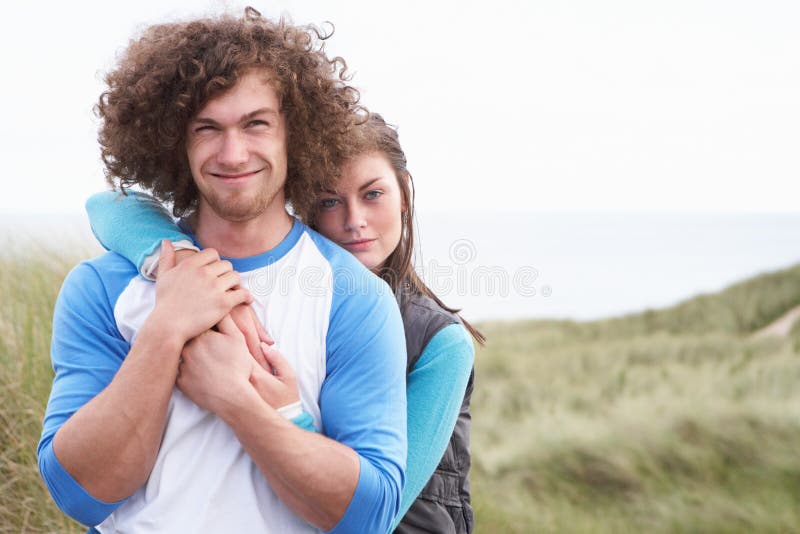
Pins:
x: 233, y: 151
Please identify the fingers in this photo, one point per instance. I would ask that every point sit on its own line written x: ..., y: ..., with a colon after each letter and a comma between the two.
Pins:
x: 252, y: 329
x: 227, y: 326
x: 204, y: 257
x: 183, y: 255
x: 218, y: 268
x: 264, y: 378
x: 248, y: 325
x: 262, y: 333
x: 229, y: 280
x: 166, y: 260
x: 280, y: 365
x: 238, y: 296
x: 169, y: 259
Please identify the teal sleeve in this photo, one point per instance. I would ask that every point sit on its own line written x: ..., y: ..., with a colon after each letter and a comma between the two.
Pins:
x: 304, y: 421
x: 435, y: 392
x: 131, y: 224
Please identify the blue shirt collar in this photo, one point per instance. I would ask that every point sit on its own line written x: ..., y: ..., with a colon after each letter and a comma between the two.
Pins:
x: 259, y: 260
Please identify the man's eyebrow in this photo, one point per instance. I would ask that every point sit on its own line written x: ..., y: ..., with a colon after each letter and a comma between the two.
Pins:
x: 245, y: 117
x: 260, y: 111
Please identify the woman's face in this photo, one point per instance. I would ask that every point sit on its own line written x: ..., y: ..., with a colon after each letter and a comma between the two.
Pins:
x: 364, y: 215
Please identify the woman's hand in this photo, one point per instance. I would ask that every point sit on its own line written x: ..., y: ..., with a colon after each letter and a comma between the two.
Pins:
x: 276, y: 383
x: 254, y: 333
x: 195, y: 295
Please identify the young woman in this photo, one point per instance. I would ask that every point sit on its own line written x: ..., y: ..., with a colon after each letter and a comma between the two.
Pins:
x: 371, y: 215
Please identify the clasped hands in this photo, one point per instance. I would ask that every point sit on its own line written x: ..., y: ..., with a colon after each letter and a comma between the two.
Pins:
x: 227, y: 349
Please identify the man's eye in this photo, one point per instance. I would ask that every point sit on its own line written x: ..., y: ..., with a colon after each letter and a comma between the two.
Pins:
x: 203, y: 128
x: 258, y: 123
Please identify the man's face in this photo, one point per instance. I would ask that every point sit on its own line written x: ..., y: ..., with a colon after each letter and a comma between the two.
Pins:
x: 236, y: 147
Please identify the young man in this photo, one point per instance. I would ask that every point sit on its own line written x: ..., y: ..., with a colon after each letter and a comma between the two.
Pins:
x: 156, y: 422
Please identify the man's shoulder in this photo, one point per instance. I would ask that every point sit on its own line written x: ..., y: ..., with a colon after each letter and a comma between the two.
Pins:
x: 350, y: 277
x: 333, y: 253
x: 360, y: 299
x: 108, y: 274
x: 107, y: 265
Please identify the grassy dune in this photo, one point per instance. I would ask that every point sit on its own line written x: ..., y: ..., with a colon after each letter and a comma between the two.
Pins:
x: 29, y: 284
x: 665, y: 421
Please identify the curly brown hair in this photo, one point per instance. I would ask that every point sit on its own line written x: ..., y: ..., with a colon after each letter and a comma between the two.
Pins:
x: 172, y: 70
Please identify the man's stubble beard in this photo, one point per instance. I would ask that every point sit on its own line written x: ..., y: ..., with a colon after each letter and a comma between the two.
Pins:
x: 243, y: 207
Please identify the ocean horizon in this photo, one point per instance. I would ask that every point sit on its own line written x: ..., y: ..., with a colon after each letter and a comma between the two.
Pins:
x: 582, y: 266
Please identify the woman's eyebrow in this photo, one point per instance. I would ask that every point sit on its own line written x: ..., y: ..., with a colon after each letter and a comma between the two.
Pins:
x: 368, y: 184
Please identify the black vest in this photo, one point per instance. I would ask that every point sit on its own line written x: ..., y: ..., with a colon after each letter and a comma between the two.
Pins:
x: 443, y: 506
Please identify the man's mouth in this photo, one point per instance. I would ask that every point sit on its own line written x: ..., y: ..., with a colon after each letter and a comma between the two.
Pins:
x: 237, y: 177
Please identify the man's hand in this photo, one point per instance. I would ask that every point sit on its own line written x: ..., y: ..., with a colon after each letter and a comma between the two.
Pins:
x: 216, y: 367
x: 198, y: 293
x: 243, y: 314
x: 277, y: 384
x: 180, y: 255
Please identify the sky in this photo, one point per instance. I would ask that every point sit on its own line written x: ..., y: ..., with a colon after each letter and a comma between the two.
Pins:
x: 502, y: 106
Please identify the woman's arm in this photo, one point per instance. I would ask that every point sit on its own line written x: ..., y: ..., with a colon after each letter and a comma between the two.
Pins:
x: 435, y: 392
x: 133, y: 224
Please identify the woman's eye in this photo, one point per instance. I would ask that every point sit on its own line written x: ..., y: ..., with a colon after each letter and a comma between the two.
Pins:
x: 203, y: 128
x: 258, y: 123
x: 327, y: 203
x: 372, y: 195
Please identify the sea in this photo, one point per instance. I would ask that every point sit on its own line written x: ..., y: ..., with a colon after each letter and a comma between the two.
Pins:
x: 582, y: 266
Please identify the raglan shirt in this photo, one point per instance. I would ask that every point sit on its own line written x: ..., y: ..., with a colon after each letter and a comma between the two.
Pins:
x: 133, y: 224
x: 336, y: 323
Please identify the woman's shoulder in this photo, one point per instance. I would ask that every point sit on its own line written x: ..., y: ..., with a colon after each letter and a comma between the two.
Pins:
x: 424, y: 319
x: 418, y: 309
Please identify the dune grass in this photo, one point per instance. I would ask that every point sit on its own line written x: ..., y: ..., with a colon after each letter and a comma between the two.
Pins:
x: 666, y: 421
x: 29, y: 284
x: 673, y: 420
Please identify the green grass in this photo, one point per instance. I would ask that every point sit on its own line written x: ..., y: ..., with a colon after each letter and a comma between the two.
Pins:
x: 29, y: 284
x: 673, y: 420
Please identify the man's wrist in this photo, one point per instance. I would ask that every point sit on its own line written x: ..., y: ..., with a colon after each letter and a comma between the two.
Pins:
x: 291, y: 410
x: 159, y: 331
x: 245, y: 407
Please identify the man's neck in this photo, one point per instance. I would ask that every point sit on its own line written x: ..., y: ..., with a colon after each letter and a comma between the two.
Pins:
x: 241, y: 239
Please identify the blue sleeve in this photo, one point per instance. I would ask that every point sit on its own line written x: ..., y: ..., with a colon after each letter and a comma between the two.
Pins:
x: 362, y: 400
x: 435, y: 392
x: 87, y: 350
x: 131, y: 224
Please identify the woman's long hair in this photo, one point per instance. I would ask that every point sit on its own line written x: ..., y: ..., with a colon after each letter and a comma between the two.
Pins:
x: 374, y: 135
